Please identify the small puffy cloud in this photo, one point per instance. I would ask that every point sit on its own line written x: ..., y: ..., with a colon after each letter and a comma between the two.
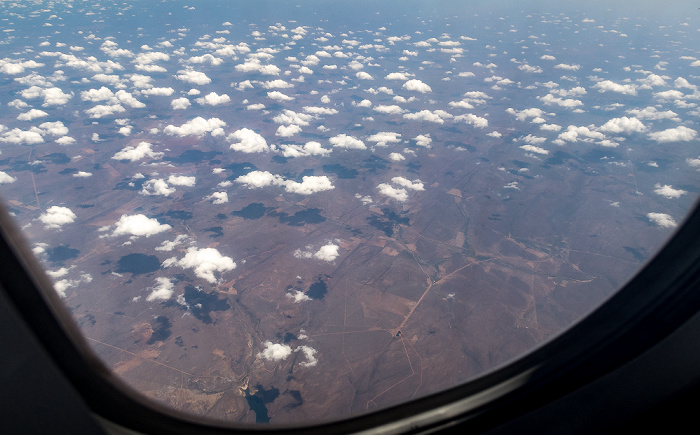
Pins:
x: 308, y: 149
x: 474, y: 120
x: 623, y: 125
x: 522, y: 115
x: 385, y: 137
x: 56, y: 216
x: 248, y: 141
x: 279, y: 96
x: 574, y: 134
x: 159, y: 92
x: 197, y: 127
x: 364, y: 103
x: 417, y: 86
x: 170, y: 245
x: 82, y: 174
x: 180, y: 103
x: 256, y: 106
x: 567, y: 67
x: 289, y: 117
x: 530, y: 69
x: 309, y: 353
x: 310, y: 184
x: 277, y: 84
x: 668, y: 191
x: 182, y: 180
x: 320, y: 110
x: 405, y: 182
x: 5, y: 178
x: 423, y: 140
x: 662, y: 219
x: 396, y: 157
x: 254, y: 65
x: 31, y: 115
x: 213, y: 99
x: 191, y: 76
x: 392, y: 192
x: 362, y: 75
x: 138, y: 152
x: 205, y: 263
x: 52, y: 96
x: 162, y: 291
x: 569, y: 103
x: 348, y: 142
x: 327, y: 252
x: 287, y: 130
x: 610, y: 86
x: 651, y: 113
x: 494, y: 134
x: 388, y: 110
x: 437, y: 116
x: 534, y: 149
x: 396, y: 76
x: 138, y: 225
x: 218, y: 198
x: 17, y: 136
x: 102, y: 110
x: 275, y: 351
x: 678, y: 134
x: 157, y: 187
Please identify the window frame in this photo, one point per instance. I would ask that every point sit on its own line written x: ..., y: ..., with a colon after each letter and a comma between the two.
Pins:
x: 655, y: 302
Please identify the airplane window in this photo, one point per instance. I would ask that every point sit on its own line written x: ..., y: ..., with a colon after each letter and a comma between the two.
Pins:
x: 285, y: 212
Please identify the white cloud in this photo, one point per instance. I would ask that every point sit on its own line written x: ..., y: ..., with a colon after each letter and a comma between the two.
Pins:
x: 17, y: 136
x: 668, y: 191
x: 423, y: 140
x: 279, y: 96
x: 364, y: 103
x: 309, y: 353
x: 396, y: 76
x: 5, y: 178
x: 254, y: 65
x: 157, y: 187
x: 197, y: 127
x: 396, y: 157
x: 348, y: 142
x: 138, y: 225
x: 52, y: 96
x: 213, y: 99
x: 678, y: 134
x: 327, y: 252
x: 522, y: 115
x: 362, y: 75
x: 651, y: 113
x: 662, y: 219
x: 609, y: 86
x: 102, y: 110
x: 218, y: 198
x: 182, y: 180
x: 159, y: 92
x: 169, y: 246
x: 162, y: 291
x: 308, y: 149
x: 385, y: 137
x: 405, y: 182
x: 474, y: 120
x: 248, y: 141
x: 82, y: 174
x: 275, y: 351
x: 191, y: 76
x: 623, y: 125
x: 56, y: 216
x: 320, y: 110
x: 574, y: 134
x: 256, y: 106
x: 389, y: 110
x: 530, y: 69
x: 309, y: 184
x: 287, y: 130
x: 550, y: 99
x: 534, y: 149
x: 204, y: 262
x: 417, y: 86
x: 390, y: 191
x: 180, y: 103
x: 437, y: 116
x: 567, y: 66
x: 138, y: 152
x: 31, y: 115
x: 277, y: 84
